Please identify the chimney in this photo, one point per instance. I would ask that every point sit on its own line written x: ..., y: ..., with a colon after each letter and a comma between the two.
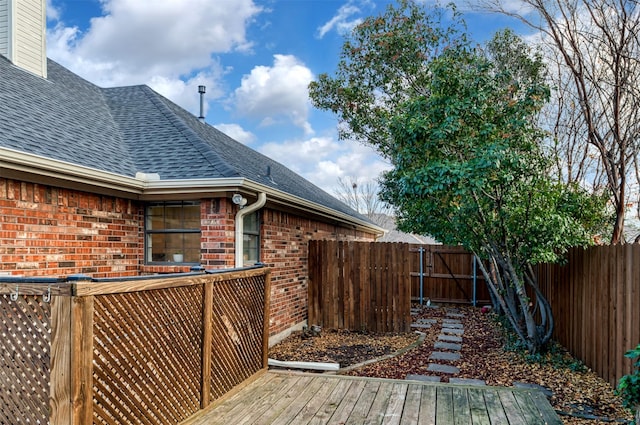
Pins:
x: 23, y: 26
x: 201, y: 90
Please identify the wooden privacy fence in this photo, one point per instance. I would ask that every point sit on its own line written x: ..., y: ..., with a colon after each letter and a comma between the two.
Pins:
x: 369, y: 286
x: 595, y: 299
x: 360, y: 286
x: 137, y: 351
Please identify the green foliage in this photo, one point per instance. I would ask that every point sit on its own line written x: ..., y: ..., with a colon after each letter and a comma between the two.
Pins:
x: 629, y: 385
x: 469, y: 169
x: 382, y: 64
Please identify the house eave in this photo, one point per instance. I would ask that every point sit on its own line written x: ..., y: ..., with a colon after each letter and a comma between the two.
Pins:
x: 147, y: 187
x: 160, y: 189
x: 39, y: 169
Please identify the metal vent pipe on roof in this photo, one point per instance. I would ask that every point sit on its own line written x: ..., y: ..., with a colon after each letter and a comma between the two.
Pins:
x: 202, y: 90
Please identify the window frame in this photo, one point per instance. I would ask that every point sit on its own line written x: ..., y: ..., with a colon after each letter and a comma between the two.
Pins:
x: 149, y: 232
x: 251, y: 232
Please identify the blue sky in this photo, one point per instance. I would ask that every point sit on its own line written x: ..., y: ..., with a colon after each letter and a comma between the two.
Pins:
x: 256, y: 58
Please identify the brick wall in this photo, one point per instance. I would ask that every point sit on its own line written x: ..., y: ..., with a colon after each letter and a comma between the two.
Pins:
x: 48, y: 231
x: 218, y: 233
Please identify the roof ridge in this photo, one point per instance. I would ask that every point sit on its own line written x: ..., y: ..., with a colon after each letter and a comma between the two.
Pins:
x: 192, y: 136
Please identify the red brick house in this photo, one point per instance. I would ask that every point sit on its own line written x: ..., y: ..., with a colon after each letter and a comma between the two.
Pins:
x: 122, y: 182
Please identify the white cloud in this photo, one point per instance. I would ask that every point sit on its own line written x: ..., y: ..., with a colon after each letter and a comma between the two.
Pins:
x: 53, y: 12
x: 344, y: 21
x: 133, y: 43
x: 322, y: 160
x: 271, y: 93
x: 236, y: 132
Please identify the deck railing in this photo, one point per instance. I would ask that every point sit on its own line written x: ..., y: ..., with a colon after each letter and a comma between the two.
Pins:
x: 136, y: 351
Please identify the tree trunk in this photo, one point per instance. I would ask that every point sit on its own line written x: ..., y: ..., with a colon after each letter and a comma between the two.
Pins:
x: 617, y: 236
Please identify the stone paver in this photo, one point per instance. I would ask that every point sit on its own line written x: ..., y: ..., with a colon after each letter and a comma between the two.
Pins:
x: 443, y: 368
x: 449, y: 338
x: 453, y: 331
x: 423, y: 378
x: 451, y: 321
x: 455, y: 315
x: 467, y: 381
x: 423, y: 320
x: 444, y: 355
x: 439, y: 345
x: 421, y: 325
x: 453, y: 325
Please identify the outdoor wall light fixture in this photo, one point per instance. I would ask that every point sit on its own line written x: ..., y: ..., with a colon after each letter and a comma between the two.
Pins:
x: 239, y: 200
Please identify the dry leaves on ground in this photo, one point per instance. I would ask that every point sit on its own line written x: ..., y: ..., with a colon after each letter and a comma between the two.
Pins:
x: 575, y: 393
x: 344, y: 347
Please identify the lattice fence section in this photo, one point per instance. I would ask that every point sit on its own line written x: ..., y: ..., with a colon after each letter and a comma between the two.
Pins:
x: 147, y: 356
x: 238, y: 326
x: 25, y: 338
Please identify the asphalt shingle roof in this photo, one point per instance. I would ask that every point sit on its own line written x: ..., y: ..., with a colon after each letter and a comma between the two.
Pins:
x: 125, y: 130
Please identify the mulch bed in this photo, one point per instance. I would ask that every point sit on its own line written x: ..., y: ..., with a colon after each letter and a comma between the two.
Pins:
x: 577, y: 391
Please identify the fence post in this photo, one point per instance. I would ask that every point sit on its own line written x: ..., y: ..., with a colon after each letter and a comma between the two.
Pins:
x: 82, y: 359
x: 60, y: 403
x: 207, y: 342
x: 266, y: 315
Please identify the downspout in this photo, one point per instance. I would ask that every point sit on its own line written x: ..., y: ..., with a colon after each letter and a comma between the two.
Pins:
x: 262, y: 199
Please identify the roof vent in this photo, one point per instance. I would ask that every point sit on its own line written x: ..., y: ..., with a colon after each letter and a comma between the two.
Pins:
x: 269, y: 176
x: 202, y: 90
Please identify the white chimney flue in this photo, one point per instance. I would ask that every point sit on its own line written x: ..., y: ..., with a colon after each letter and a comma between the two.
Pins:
x: 23, y: 28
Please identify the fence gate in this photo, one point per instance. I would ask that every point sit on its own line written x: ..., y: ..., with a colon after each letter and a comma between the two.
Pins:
x: 448, y: 274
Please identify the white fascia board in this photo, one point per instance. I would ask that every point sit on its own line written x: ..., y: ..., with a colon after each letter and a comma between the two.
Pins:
x: 46, y: 167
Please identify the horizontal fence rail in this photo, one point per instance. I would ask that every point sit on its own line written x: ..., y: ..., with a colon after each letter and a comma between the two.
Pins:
x: 595, y: 299
x: 142, y: 351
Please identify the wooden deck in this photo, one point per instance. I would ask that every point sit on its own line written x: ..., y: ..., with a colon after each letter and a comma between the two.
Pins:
x: 295, y: 398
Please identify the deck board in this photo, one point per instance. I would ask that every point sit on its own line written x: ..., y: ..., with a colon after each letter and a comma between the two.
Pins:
x: 295, y: 398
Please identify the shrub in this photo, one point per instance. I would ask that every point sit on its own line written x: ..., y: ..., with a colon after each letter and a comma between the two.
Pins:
x: 629, y: 385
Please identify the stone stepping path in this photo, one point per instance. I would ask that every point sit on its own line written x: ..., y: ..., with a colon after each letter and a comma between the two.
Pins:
x: 449, y: 338
x: 447, y: 349
x: 452, y: 325
x: 444, y: 355
x: 443, y: 368
x: 439, y: 345
x: 420, y: 326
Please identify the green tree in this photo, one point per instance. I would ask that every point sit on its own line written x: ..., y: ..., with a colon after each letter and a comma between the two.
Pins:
x: 383, y: 63
x: 469, y: 169
x: 458, y: 125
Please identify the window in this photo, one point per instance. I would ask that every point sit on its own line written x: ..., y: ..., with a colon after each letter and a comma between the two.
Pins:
x: 251, y: 239
x: 173, y: 232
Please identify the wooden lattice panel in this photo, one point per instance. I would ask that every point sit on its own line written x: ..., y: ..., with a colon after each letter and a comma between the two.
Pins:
x: 25, y: 337
x: 238, y: 326
x: 147, y: 356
